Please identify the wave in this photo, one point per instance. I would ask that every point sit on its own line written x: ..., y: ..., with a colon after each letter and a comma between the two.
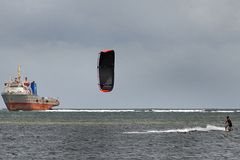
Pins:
x: 121, y: 110
x: 184, y: 130
x: 146, y: 110
x: 194, y: 110
x: 178, y: 110
x: 224, y: 111
x: 87, y: 110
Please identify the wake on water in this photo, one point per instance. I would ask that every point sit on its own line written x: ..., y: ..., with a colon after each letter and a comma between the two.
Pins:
x: 184, y: 130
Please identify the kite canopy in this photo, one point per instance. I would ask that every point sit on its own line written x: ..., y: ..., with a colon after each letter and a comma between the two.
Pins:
x: 106, y: 70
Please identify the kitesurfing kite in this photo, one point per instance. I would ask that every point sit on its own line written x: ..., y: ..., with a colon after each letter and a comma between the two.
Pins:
x: 106, y: 70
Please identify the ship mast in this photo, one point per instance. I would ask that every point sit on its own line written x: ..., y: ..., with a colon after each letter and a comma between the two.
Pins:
x: 19, y: 73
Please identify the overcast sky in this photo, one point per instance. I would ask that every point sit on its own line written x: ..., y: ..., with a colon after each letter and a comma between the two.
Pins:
x: 169, y: 53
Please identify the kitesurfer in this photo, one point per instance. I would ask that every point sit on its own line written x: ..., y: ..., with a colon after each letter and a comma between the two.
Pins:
x: 228, y: 124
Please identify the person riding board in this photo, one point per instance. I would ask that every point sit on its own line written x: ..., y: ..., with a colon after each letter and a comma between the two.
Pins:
x: 228, y: 124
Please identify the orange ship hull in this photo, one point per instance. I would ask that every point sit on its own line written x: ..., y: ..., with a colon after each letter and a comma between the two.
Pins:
x: 16, y: 102
x: 28, y: 106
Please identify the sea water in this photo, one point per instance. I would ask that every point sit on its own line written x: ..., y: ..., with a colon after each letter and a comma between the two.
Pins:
x: 119, y: 134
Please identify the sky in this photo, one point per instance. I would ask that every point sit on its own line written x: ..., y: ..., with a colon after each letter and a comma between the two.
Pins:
x: 169, y: 53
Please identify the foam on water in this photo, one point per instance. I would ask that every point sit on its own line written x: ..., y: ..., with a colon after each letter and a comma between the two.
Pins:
x: 178, y: 110
x: 88, y: 110
x: 223, y: 111
x: 184, y: 130
x: 145, y: 110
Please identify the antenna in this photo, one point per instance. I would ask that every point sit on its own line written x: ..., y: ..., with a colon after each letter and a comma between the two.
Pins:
x: 19, y: 73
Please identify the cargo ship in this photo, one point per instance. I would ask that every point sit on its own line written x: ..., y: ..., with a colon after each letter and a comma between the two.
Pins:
x: 22, y: 95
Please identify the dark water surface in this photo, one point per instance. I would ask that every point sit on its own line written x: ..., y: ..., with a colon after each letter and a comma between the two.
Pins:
x: 117, y: 135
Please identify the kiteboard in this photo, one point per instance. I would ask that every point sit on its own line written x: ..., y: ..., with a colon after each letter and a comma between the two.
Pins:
x: 228, y: 129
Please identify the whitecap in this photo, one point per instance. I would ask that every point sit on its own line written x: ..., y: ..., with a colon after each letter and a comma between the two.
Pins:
x: 88, y: 110
x: 178, y: 110
x: 223, y: 111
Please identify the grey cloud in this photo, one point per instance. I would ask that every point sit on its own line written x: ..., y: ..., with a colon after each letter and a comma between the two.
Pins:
x: 168, y: 53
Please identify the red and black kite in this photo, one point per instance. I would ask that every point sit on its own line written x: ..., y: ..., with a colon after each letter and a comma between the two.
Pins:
x: 106, y: 70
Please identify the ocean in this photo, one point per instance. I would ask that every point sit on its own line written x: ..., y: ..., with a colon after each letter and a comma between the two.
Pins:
x: 134, y: 134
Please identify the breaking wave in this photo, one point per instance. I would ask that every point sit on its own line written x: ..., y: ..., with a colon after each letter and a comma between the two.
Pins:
x: 88, y: 110
x: 178, y: 110
x: 148, y: 110
x: 184, y: 130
